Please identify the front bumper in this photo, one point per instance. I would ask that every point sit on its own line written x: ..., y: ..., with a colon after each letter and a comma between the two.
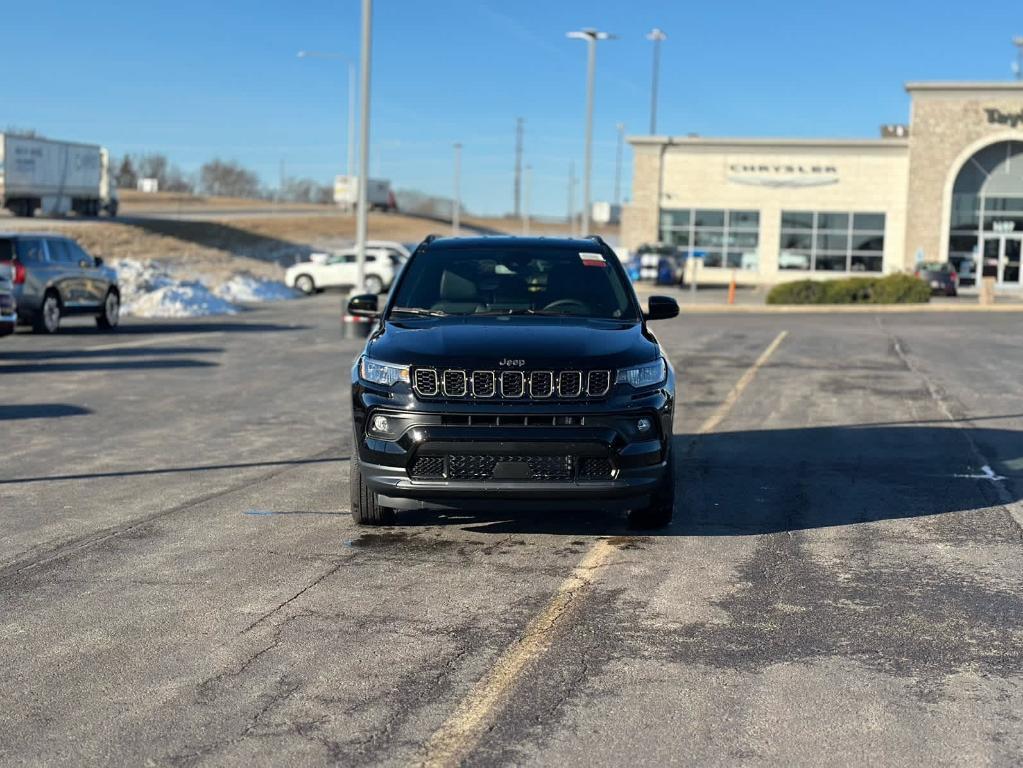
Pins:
x: 489, y: 460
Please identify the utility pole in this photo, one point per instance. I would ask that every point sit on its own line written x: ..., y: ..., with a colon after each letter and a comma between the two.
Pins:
x: 361, y: 217
x: 618, y: 164
x: 518, y: 166
x: 656, y: 35
x: 1017, y: 67
x: 350, y: 160
x: 571, y: 198
x: 456, y: 203
x: 591, y: 36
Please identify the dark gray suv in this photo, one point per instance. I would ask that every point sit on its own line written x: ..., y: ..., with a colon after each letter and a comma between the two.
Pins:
x: 53, y: 276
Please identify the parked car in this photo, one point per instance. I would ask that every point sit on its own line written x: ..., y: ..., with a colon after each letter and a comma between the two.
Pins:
x: 512, y: 373
x: 8, y: 306
x: 54, y: 276
x: 940, y: 276
x: 339, y: 270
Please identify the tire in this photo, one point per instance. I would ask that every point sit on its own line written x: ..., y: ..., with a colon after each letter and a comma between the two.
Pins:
x: 662, y: 506
x: 373, y: 284
x: 365, y: 510
x: 47, y: 320
x: 305, y: 284
x: 110, y: 316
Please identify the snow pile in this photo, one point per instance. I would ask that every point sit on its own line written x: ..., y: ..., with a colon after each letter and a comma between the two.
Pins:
x: 246, y: 288
x: 151, y: 289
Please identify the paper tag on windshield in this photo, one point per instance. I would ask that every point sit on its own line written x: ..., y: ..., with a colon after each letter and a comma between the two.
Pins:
x: 592, y: 259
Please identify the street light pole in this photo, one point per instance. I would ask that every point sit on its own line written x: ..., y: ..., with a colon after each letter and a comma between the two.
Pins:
x: 656, y: 35
x: 456, y: 203
x: 1018, y: 66
x: 591, y: 36
x: 362, y: 212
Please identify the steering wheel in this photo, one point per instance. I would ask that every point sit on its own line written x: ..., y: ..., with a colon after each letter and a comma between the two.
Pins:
x: 560, y: 303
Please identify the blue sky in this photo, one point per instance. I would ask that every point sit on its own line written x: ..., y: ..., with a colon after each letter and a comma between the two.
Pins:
x: 220, y: 78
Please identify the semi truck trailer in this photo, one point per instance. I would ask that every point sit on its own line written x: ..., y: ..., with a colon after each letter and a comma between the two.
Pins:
x: 56, y: 177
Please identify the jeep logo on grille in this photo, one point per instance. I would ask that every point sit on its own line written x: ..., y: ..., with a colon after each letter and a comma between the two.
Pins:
x: 510, y: 363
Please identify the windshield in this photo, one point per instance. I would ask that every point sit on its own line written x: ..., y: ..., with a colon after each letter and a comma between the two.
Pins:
x: 507, y: 281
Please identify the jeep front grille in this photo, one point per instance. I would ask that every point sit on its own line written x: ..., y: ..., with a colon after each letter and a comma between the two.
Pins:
x: 454, y: 383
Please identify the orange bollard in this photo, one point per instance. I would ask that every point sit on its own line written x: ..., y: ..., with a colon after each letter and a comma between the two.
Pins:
x: 731, y: 289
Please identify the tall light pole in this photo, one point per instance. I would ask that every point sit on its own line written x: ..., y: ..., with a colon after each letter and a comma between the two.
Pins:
x: 591, y: 36
x: 1017, y: 67
x: 571, y: 198
x: 656, y: 35
x: 456, y: 203
x: 350, y: 152
x: 362, y: 212
x: 518, y: 166
x: 620, y: 127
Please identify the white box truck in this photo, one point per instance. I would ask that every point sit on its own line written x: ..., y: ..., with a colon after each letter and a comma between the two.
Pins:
x: 381, y: 198
x: 54, y: 176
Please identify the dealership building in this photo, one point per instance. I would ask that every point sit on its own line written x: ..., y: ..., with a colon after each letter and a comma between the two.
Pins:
x: 947, y: 187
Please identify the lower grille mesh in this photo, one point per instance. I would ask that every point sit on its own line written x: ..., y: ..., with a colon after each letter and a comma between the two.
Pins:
x: 537, y: 468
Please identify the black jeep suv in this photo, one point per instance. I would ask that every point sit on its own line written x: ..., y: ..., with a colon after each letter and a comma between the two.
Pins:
x: 505, y: 372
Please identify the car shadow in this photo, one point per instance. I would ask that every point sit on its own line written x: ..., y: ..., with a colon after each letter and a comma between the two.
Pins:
x: 89, y: 354
x: 749, y: 483
x: 105, y: 365
x: 41, y: 411
x: 132, y: 328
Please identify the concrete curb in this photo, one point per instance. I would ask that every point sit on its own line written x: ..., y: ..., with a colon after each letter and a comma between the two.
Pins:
x: 848, y: 309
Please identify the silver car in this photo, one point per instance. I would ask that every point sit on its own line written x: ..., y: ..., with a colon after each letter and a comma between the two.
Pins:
x: 53, y: 277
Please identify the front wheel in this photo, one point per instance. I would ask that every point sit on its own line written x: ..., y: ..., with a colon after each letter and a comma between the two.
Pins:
x: 48, y: 318
x: 365, y: 509
x: 373, y: 284
x: 662, y: 505
x: 305, y: 284
x: 111, y: 313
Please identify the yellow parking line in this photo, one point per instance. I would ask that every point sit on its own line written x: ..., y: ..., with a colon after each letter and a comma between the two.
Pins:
x: 456, y: 738
x: 733, y: 396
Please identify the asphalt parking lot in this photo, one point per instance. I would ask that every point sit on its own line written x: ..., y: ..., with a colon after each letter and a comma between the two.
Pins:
x: 180, y: 583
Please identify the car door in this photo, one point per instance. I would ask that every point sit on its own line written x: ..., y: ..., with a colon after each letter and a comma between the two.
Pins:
x: 338, y: 270
x: 94, y: 281
x: 64, y: 273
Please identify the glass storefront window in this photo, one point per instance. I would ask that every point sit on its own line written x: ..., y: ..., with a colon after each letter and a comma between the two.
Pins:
x: 832, y: 241
x: 725, y: 238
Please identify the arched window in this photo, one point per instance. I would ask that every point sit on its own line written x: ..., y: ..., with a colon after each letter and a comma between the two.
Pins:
x: 987, y: 209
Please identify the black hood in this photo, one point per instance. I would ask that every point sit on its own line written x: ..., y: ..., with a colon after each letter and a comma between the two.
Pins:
x: 540, y: 342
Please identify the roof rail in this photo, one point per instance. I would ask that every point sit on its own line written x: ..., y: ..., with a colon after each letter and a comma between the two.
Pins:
x: 596, y: 238
x: 430, y: 238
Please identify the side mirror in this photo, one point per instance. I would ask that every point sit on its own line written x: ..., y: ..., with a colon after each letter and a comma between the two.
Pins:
x: 661, y: 308
x: 364, y: 305
x: 98, y: 261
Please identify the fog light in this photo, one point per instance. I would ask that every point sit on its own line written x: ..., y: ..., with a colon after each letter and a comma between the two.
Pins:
x: 380, y: 424
x: 643, y: 425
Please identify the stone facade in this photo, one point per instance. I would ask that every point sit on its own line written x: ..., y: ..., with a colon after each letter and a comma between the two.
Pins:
x: 949, y: 123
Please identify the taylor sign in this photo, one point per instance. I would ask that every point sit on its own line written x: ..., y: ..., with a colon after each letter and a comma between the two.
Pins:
x: 997, y: 117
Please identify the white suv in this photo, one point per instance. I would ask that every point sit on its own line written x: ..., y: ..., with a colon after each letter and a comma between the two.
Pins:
x: 339, y: 271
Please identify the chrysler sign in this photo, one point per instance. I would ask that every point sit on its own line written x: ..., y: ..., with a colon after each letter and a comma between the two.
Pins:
x: 777, y: 173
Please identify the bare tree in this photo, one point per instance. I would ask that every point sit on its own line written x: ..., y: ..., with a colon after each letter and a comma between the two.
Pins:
x: 219, y: 177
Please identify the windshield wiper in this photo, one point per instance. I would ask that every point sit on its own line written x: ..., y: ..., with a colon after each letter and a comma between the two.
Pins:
x: 501, y: 312
x: 419, y: 311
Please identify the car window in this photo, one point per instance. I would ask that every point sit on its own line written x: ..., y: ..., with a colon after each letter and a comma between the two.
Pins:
x: 370, y: 258
x: 30, y: 251
x: 349, y: 258
x: 78, y: 253
x: 561, y: 281
x: 6, y: 249
x: 335, y: 260
x: 59, y: 251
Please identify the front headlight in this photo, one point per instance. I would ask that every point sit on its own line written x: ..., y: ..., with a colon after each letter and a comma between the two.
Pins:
x: 382, y: 373
x: 646, y: 375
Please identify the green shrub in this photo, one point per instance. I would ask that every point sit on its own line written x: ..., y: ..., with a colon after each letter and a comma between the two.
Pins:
x: 892, y: 289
